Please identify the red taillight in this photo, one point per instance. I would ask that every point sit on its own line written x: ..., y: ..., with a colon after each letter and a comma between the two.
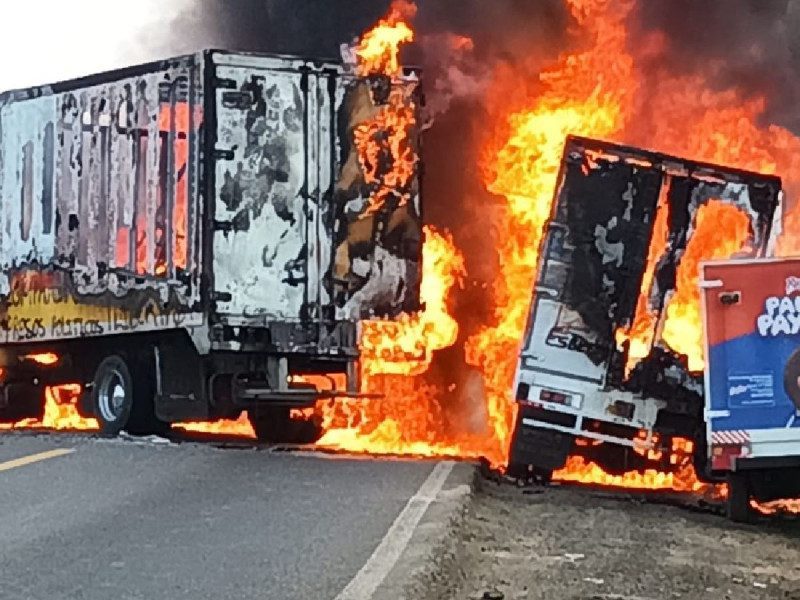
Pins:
x: 554, y: 397
x: 723, y: 456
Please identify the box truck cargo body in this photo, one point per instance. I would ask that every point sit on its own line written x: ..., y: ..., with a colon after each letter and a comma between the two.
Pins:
x: 752, y: 378
x: 190, y: 237
x: 600, y: 253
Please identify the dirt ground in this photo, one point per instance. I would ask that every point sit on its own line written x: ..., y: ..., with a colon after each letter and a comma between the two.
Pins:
x: 565, y: 543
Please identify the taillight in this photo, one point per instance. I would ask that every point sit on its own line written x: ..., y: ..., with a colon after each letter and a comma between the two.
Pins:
x: 554, y: 397
x: 724, y: 457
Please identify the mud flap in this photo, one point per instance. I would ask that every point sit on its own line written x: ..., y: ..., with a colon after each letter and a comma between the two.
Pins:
x: 543, y: 449
x: 180, y: 393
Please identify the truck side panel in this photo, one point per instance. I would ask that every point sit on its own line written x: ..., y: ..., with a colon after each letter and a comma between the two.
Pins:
x: 101, y: 214
x: 752, y: 323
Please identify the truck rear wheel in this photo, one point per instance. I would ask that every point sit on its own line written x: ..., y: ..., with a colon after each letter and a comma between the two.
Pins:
x: 123, y: 397
x: 275, y: 425
x: 112, y: 394
x: 738, y: 506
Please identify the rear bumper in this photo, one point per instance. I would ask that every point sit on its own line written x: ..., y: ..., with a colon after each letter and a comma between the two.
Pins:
x: 326, y: 340
x: 574, y: 425
x: 255, y: 394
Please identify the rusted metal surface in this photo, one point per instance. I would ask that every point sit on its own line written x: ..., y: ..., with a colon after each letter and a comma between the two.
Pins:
x: 105, y: 226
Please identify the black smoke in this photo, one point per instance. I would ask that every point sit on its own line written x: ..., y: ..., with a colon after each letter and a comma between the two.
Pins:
x: 750, y: 45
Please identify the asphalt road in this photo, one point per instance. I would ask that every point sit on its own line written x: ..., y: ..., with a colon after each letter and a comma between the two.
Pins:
x: 128, y: 520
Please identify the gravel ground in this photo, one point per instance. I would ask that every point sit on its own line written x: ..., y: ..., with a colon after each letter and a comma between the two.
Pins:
x: 565, y: 543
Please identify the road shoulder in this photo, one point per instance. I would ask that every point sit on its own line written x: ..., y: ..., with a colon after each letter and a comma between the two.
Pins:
x: 431, y: 556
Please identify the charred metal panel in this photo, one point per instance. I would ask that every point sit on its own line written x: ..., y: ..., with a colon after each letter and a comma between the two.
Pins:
x: 595, y: 253
x: 98, y: 182
x: 608, y: 210
x: 262, y: 179
x: 376, y: 267
x: 295, y: 236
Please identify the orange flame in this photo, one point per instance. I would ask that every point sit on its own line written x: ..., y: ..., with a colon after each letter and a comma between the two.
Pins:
x: 406, y: 346
x: 60, y: 412
x: 43, y: 358
x: 409, y: 419
x: 239, y: 427
x: 385, y: 151
x: 682, y: 479
x: 384, y: 141
x: 379, y: 48
x: 721, y: 230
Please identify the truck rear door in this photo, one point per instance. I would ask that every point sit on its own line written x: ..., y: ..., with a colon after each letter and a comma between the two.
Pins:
x: 297, y: 237
x: 266, y: 172
x: 591, y: 267
x: 752, y: 374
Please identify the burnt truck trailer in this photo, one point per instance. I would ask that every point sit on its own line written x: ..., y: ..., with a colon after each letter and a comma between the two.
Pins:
x: 578, y: 388
x: 189, y: 238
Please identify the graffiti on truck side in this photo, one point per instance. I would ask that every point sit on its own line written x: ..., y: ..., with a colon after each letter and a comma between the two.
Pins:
x: 43, y: 307
x: 107, y: 321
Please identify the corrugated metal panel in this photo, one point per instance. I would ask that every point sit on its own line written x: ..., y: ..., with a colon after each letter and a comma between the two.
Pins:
x: 98, y: 205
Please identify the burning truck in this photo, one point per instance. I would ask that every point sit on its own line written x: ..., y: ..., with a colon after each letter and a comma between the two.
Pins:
x: 611, y: 365
x: 201, y: 236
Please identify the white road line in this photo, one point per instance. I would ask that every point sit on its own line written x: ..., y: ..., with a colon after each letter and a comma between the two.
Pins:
x: 386, y: 555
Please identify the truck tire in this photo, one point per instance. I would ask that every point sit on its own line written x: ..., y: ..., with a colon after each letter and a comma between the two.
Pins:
x: 738, y: 504
x: 522, y: 472
x: 274, y: 425
x: 112, y: 394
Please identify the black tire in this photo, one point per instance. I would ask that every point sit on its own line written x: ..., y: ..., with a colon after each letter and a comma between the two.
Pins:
x: 543, y: 476
x: 613, y: 459
x: 274, y: 425
x: 112, y: 395
x: 738, y: 507
x: 517, y: 470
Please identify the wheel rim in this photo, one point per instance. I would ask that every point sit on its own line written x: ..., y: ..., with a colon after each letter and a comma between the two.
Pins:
x: 111, y: 396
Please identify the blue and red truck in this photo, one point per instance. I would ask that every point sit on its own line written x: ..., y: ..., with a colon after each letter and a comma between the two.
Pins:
x: 752, y: 377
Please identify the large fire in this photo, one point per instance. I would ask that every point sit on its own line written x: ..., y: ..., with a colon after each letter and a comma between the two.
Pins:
x: 596, y: 90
